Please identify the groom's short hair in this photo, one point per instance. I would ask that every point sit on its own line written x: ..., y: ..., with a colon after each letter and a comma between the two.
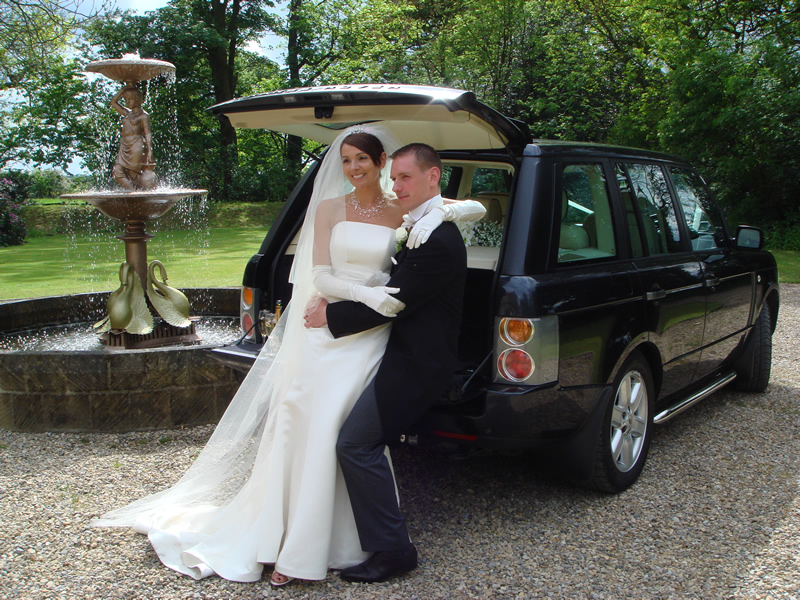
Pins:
x: 424, y: 154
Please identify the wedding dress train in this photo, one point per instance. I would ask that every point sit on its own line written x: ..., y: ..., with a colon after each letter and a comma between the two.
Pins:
x: 287, y: 503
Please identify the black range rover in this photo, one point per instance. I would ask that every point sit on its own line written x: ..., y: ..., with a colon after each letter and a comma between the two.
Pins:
x: 605, y: 291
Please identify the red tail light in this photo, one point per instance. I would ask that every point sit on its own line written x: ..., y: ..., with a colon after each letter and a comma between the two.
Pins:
x: 247, y: 324
x: 515, y: 365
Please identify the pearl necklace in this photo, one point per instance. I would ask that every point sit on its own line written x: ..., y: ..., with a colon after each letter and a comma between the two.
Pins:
x: 381, y: 202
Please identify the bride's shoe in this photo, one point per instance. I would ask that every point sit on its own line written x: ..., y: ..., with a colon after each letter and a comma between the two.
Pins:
x: 279, y: 579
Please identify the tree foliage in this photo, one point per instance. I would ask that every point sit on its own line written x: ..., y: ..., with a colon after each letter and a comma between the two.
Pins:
x: 48, y: 121
x: 206, y: 41
x: 32, y: 32
x: 716, y: 81
x: 719, y: 87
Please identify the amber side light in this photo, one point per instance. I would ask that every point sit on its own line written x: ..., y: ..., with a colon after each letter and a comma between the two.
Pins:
x: 247, y: 297
x: 516, y: 332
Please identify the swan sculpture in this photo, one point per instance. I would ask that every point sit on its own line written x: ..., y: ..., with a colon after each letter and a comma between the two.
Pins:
x: 126, y: 308
x: 170, y: 303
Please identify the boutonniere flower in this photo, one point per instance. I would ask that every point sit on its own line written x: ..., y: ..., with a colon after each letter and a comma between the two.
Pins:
x: 400, y: 235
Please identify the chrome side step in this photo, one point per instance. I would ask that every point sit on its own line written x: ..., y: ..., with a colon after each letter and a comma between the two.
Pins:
x: 681, y: 406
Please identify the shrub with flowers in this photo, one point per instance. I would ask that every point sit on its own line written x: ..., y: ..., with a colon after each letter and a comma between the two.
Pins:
x: 12, y: 225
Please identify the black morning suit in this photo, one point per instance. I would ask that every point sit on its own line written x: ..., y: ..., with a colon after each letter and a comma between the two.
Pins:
x: 416, y: 370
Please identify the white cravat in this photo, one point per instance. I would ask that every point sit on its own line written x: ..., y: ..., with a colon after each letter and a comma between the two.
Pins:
x: 424, y: 208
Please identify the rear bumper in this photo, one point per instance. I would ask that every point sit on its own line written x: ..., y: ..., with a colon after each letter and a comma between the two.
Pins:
x: 507, y: 418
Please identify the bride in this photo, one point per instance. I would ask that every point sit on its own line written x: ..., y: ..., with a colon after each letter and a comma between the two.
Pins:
x: 267, y: 488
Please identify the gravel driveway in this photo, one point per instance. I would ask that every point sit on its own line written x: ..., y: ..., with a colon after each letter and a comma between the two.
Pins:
x: 716, y: 513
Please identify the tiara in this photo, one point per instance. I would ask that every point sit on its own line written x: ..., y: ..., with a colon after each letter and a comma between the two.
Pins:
x: 359, y: 129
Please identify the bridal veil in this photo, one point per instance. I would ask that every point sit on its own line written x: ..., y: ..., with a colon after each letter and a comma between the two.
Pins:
x: 224, y: 464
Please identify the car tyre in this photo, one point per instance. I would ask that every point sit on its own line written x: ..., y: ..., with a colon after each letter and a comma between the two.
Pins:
x: 754, y: 367
x: 626, y: 428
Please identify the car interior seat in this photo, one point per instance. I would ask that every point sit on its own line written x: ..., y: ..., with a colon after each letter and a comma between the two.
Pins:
x: 572, y: 236
x: 654, y: 226
x: 495, y: 204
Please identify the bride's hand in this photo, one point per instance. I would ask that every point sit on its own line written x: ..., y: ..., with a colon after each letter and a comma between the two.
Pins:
x: 312, y: 304
x: 316, y: 316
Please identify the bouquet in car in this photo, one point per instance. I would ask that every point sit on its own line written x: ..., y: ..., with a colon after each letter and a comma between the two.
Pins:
x: 481, y: 233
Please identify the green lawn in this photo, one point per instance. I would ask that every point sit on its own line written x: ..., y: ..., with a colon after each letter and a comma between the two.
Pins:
x: 62, y: 264
x: 788, y: 265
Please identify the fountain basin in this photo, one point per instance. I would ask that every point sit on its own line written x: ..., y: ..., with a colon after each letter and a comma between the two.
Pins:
x: 131, y: 68
x: 111, y: 390
x: 134, y: 205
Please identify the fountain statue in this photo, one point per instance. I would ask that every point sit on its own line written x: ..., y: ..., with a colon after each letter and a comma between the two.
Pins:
x: 129, y: 318
x: 148, y: 370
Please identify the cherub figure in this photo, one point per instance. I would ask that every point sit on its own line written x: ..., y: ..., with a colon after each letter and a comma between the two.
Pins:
x: 133, y: 169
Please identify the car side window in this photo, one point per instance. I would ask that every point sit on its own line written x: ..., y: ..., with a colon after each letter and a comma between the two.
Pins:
x: 649, y: 210
x: 586, y: 226
x: 703, y: 218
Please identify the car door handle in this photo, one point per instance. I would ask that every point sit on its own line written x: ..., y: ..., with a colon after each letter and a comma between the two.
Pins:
x: 712, y: 281
x: 656, y: 295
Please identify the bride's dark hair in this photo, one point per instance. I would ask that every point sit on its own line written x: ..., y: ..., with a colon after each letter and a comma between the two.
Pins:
x: 366, y: 142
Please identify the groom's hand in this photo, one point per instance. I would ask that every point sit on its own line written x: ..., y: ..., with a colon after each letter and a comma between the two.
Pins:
x: 318, y: 316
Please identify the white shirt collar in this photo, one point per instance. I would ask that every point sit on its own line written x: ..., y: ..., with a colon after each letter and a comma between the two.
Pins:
x: 425, y: 207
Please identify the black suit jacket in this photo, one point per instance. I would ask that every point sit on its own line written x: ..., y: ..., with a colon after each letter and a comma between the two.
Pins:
x: 421, y: 354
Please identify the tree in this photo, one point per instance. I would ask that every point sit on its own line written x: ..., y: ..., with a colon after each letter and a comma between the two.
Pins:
x: 223, y: 27
x: 40, y: 110
x: 48, y: 120
x: 336, y: 41
x: 33, y: 33
x: 205, y: 40
x: 536, y: 61
x: 333, y: 42
x: 720, y: 87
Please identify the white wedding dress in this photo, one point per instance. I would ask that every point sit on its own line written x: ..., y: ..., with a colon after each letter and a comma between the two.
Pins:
x: 292, y: 509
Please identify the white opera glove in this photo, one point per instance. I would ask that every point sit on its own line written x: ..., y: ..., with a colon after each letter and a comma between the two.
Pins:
x: 461, y: 211
x: 423, y: 228
x: 377, y: 298
x: 464, y: 211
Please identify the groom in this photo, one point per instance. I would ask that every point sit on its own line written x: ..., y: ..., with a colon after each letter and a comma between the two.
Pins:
x: 416, y: 370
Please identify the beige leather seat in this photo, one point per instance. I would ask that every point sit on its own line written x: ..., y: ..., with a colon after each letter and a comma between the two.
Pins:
x: 572, y: 236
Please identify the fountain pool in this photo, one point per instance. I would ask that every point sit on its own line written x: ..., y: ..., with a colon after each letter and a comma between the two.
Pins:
x: 95, y: 388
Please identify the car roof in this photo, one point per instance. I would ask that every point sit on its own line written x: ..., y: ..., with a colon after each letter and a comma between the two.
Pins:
x: 539, y: 147
x: 445, y: 118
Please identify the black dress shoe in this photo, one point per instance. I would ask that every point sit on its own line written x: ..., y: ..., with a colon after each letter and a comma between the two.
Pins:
x: 382, y: 566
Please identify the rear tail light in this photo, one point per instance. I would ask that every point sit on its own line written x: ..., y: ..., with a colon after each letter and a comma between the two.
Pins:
x: 526, y: 350
x: 247, y: 314
x: 515, y: 365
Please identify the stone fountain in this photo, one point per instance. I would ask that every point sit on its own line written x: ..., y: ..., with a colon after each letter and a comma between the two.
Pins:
x: 129, y: 319
x: 152, y: 371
